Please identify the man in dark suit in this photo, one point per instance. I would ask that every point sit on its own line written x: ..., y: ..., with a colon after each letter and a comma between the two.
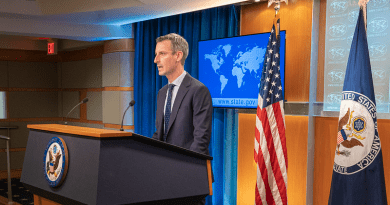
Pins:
x: 184, y: 106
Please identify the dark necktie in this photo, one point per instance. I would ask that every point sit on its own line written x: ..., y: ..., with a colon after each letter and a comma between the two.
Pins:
x: 168, y: 110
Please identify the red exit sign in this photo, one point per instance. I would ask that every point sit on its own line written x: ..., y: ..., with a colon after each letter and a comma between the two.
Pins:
x: 51, y: 50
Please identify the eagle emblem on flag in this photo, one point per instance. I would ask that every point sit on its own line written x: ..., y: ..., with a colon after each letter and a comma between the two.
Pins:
x: 357, y: 138
x: 350, y: 127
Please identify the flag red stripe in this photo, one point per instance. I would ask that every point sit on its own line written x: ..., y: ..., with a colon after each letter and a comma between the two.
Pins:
x: 257, y: 134
x: 280, y: 122
x: 272, y: 152
x: 264, y: 175
x: 257, y: 197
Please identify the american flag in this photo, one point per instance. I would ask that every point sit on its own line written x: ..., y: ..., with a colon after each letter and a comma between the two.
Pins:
x: 270, y: 140
x: 340, y: 138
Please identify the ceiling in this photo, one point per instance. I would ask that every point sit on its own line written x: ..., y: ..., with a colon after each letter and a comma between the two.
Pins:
x: 89, y: 20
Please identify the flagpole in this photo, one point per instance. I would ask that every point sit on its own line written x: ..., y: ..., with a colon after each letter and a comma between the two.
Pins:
x: 277, y: 8
x: 363, y: 6
x: 277, y: 4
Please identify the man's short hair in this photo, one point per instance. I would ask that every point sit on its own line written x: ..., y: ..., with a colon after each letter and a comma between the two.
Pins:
x: 178, y: 44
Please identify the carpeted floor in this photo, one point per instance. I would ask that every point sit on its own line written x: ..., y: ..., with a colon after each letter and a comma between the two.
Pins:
x: 19, y: 193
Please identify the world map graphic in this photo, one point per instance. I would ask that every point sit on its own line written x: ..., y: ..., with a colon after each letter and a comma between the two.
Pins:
x: 231, y: 69
x: 237, y: 66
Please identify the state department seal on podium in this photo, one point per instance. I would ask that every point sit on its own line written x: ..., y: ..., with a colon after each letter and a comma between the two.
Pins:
x: 55, y: 161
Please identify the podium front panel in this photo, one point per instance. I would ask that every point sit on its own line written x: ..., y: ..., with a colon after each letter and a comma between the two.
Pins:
x: 81, y: 181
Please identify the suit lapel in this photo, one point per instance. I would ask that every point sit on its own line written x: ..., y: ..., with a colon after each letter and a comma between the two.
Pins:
x: 160, y: 114
x: 184, y: 87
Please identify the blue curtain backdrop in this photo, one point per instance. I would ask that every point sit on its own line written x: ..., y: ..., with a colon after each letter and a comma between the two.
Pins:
x: 208, y: 24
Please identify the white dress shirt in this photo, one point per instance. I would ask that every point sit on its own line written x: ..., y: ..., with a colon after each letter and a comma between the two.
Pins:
x: 177, y: 82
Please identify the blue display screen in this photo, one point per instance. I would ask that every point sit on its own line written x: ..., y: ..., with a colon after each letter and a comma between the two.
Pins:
x: 231, y: 68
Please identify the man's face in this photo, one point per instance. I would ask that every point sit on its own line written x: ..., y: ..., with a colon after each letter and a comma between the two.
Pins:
x: 166, y: 60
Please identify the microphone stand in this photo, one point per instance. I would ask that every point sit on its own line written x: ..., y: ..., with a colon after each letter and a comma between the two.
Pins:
x: 130, y: 105
x: 82, y: 102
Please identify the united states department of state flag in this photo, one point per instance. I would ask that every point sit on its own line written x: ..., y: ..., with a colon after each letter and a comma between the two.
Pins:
x: 358, y: 176
x: 270, y: 140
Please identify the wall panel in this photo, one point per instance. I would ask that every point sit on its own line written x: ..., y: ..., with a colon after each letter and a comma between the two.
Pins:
x: 325, y: 145
x: 3, y: 75
x: 18, y: 136
x: 70, y: 99
x: 118, y: 69
x: 115, y: 105
x: 32, y: 75
x: 246, y: 166
x: 26, y: 56
x: 22, y: 43
x: 33, y: 104
x: 79, y: 55
x: 41, y: 56
x: 111, y: 68
x: 94, y: 106
x: 296, y: 20
x: 16, y: 160
x: 82, y: 74
x: 384, y: 130
x: 296, y: 135
x: 93, y: 78
x: 321, y: 52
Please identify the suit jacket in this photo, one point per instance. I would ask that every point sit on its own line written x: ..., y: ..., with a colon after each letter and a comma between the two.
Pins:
x: 191, y: 116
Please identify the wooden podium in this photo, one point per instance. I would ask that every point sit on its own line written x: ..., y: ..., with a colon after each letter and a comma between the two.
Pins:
x: 114, y: 167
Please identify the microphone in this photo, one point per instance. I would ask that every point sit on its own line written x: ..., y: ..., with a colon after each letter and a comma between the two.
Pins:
x: 82, y: 102
x: 130, y: 105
